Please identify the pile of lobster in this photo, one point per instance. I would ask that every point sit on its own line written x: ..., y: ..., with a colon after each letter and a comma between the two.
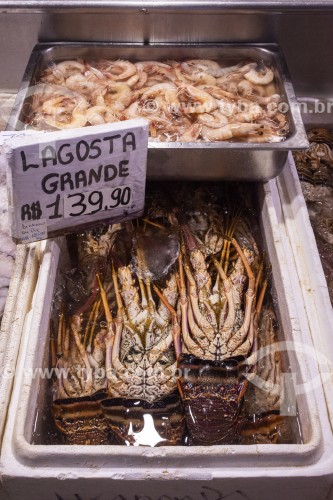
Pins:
x: 159, y: 346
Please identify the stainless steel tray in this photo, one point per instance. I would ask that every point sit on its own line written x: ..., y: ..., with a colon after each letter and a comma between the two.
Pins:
x: 186, y: 160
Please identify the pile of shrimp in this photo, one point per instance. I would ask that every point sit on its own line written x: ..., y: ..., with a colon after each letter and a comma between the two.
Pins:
x: 188, y: 100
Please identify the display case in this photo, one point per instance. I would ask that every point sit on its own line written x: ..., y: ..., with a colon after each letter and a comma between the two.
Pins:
x: 302, y: 470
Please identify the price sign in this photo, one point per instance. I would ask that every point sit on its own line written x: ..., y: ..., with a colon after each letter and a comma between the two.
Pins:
x: 59, y: 181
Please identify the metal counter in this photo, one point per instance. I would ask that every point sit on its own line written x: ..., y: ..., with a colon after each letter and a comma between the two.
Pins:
x: 302, y: 29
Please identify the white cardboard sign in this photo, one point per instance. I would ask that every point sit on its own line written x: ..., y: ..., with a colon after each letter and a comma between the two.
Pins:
x: 59, y: 181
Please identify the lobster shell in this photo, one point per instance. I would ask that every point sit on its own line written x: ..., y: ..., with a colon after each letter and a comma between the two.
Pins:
x: 212, y: 393
x: 137, y: 422
x: 81, y: 420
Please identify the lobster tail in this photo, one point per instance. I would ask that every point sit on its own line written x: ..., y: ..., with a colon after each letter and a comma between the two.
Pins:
x: 212, y: 395
x: 81, y: 420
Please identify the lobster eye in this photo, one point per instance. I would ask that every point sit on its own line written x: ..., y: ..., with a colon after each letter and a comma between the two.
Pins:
x: 164, y: 360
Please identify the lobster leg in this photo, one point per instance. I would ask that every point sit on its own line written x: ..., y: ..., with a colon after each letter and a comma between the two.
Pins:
x: 202, y: 322
x: 230, y: 319
x: 238, y: 338
x: 119, y: 325
x: 75, y: 328
x: 175, y: 323
x: 184, y: 306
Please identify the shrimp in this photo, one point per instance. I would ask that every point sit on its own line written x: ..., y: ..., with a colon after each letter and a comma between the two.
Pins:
x: 213, y: 120
x: 230, y: 86
x: 51, y: 106
x: 267, y: 136
x: 132, y: 111
x: 204, y: 64
x: 277, y: 123
x: 230, y: 131
x: 203, y: 102
x: 150, y: 66
x: 277, y: 119
x: 226, y: 107
x: 245, y: 87
x: 253, y: 112
x: 164, y: 97
x: 80, y: 83
x: 132, y: 80
x: 156, y: 79
x: 197, y: 77
x: 262, y: 77
x: 117, y: 95
x: 69, y: 68
x: 211, y: 67
x: 191, y: 99
x: 191, y: 134
x: 238, y: 69
x: 120, y: 70
x: 155, y: 90
x: 269, y: 89
x: 217, y: 92
x: 98, y: 115
x: 254, y: 92
x: 142, y: 79
x: 95, y: 72
x: 54, y: 77
x: 78, y: 118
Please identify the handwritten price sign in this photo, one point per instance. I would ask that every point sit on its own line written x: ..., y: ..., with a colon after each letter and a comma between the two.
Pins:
x: 59, y: 181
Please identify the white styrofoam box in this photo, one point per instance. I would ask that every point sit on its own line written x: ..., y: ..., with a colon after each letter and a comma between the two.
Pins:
x: 18, y: 303
x: 253, y: 472
x: 314, y: 287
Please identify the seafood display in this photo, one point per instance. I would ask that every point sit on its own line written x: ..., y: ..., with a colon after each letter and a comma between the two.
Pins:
x: 315, y: 170
x: 157, y: 343
x: 189, y: 100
